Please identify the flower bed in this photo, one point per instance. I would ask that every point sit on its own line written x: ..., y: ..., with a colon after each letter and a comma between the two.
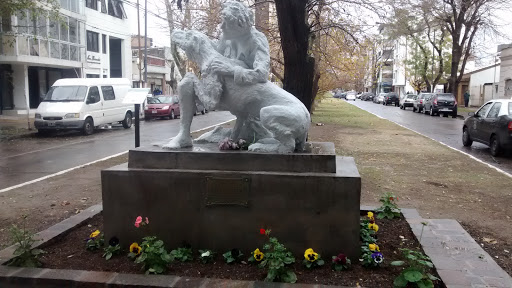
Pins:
x: 69, y: 252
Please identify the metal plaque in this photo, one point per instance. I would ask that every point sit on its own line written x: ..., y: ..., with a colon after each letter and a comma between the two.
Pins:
x: 227, y: 191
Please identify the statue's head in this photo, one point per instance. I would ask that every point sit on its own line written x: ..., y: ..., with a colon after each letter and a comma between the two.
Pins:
x: 237, y: 19
x: 191, y: 42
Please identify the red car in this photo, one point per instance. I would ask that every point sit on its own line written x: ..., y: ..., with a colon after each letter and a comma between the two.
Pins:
x: 162, y: 106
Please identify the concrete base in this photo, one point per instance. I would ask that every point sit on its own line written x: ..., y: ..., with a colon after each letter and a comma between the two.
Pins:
x: 221, y: 210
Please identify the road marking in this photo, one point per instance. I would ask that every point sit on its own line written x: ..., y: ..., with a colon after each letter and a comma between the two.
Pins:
x: 460, y: 151
x: 87, y: 164
x: 60, y: 172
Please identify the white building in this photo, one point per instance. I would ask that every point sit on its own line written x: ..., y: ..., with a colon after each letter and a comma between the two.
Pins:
x: 482, y: 87
x: 400, y: 83
x: 37, y: 51
x: 505, y: 76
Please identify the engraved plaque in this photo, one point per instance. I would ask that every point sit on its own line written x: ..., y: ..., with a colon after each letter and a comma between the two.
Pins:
x: 227, y: 191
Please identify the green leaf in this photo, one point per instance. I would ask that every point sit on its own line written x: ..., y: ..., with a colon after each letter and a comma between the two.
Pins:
x: 432, y: 277
x: 289, y: 277
x: 108, y: 256
x: 320, y: 262
x: 397, y: 263
x: 425, y: 283
x: 400, y: 281
x: 426, y: 263
x: 413, y: 276
x: 271, y: 275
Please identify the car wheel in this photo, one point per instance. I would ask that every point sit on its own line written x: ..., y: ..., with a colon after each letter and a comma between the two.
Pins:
x: 88, y: 126
x: 127, y: 122
x: 454, y: 115
x: 495, y: 146
x: 432, y: 112
x: 466, y: 139
x: 413, y: 109
x: 171, y: 116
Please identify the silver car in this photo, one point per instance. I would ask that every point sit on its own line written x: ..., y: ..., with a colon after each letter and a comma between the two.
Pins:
x: 419, y: 103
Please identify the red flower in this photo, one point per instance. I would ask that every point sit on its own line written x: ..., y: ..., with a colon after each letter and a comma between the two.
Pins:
x: 390, y: 198
x: 262, y: 231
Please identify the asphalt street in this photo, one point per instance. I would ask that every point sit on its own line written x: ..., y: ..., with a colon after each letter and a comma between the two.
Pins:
x: 442, y: 129
x: 61, y: 151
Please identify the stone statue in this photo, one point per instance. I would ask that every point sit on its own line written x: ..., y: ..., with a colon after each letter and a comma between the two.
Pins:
x: 234, y: 77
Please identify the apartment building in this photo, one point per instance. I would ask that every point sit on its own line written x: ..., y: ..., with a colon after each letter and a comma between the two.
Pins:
x: 91, y: 39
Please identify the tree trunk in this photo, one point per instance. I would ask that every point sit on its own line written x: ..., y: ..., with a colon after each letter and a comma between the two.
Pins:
x: 180, y: 65
x: 298, y: 64
x: 456, y: 55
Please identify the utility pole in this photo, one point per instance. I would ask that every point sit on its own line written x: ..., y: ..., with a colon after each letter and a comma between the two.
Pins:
x: 138, y: 46
x: 146, y: 44
x: 432, y: 91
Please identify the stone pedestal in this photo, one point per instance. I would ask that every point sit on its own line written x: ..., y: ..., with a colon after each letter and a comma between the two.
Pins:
x: 219, y: 200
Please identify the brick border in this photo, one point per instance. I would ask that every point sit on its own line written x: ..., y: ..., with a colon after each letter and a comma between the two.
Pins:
x: 459, y: 261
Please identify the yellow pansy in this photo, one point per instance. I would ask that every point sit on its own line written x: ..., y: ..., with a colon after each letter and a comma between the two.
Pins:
x: 94, y: 234
x: 374, y: 247
x: 373, y: 226
x: 135, y: 248
x: 310, y: 255
x: 370, y: 215
x: 258, y: 255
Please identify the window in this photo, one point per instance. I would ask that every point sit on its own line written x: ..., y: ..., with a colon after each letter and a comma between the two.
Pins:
x: 103, y: 7
x: 495, y: 110
x: 116, y: 9
x: 6, y: 22
x: 93, y: 4
x: 483, y: 110
x: 23, y: 22
x: 73, y: 30
x: 92, y: 41
x: 92, y: 76
x: 54, y: 29
x: 104, y: 43
x: 64, y: 29
x: 108, y: 93
x: 93, y: 96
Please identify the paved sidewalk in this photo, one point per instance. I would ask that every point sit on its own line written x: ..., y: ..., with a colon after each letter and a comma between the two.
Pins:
x: 458, y: 258
x: 15, y: 126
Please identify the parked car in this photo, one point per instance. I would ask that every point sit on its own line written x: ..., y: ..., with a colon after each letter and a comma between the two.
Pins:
x: 84, y: 104
x: 379, y: 99
x: 419, y: 102
x: 369, y: 96
x: 162, y: 106
x: 390, y: 98
x: 407, y: 101
x: 337, y: 94
x: 351, y: 96
x: 490, y: 125
x: 358, y: 96
x: 442, y: 103
x: 200, y: 108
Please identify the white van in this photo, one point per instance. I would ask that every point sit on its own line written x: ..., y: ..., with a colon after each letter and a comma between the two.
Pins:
x: 83, y: 104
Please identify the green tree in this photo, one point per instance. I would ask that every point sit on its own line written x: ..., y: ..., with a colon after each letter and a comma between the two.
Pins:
x: 28, y: 8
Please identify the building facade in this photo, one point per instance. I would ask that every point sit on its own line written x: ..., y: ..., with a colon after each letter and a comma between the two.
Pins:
x: 35, y: 51
x: 505, y: 76
x: 159, y: 64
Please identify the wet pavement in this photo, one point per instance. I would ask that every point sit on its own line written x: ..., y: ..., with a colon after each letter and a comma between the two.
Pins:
x: 443, y: 129
x: 34, y: 156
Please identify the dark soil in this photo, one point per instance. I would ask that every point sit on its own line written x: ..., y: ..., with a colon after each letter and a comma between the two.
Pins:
x: 499, y: 249
x: 69, y: 253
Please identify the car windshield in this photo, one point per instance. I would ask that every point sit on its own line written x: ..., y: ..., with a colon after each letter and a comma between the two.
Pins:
x: 66, y: 94
x: 410, y: 96
x: 165, y: 99
x: 445, y: 97
x: 153, y: 101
